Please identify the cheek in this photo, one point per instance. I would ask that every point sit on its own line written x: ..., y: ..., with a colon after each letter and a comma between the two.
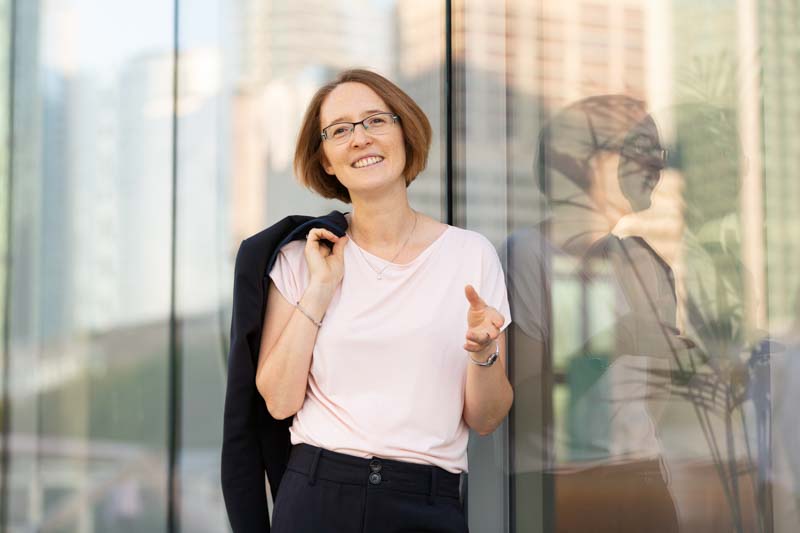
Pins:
x: 400, y: 151
x: 328, y: 162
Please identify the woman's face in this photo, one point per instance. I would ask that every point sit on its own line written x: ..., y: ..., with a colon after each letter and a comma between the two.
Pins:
x: 366, y: 161
x: 640, y: 164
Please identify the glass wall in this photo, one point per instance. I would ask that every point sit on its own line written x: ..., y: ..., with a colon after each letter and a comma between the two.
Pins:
x: 89, y: 280
x: 634, y: 162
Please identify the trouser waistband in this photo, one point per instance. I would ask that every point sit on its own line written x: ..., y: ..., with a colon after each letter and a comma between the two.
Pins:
x: 318, y: 463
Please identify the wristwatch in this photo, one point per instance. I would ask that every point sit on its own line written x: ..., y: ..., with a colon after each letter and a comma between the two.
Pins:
x: 492, y: 358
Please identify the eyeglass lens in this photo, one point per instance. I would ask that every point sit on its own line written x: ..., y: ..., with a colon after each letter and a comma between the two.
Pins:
x: 375, y: 124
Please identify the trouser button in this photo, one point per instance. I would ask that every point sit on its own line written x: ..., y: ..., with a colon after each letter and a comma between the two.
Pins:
x: 375, y: 478
x: 375, y: 465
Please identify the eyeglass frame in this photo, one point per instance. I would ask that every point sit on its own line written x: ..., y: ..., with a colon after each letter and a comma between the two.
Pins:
x: 324, y: 136
x: 658, y: 155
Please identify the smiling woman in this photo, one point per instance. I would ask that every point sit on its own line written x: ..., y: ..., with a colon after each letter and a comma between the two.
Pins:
x: 310, y: 164
x: 379, y: 343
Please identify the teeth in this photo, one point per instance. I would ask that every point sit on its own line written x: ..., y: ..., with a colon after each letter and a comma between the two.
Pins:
x: 367, y: 161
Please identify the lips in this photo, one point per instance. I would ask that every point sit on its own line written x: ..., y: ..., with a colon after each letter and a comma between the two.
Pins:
x: 367, y: 161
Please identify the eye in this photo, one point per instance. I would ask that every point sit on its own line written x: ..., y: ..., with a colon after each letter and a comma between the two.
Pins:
x: 644, y: 143
x: 339, y: 131
x: 376, y: 121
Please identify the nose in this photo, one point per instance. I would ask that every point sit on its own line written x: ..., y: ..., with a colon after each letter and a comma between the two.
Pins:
x: 360, y: 136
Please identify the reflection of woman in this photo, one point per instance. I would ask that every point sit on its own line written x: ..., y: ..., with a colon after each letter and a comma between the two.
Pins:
x: 368, y: 342
x: 599, y: 162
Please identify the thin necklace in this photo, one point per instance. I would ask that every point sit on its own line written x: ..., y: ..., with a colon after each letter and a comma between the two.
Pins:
x: 379, y: 273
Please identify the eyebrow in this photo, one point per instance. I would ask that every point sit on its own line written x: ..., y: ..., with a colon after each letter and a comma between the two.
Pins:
x: 364, y: 114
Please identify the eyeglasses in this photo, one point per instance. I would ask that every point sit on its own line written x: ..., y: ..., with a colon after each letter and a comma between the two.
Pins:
x: 377, y: 124
x: 645, y: 150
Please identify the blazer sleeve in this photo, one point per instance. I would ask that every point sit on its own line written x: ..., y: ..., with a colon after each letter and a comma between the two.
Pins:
x: 243, y: 469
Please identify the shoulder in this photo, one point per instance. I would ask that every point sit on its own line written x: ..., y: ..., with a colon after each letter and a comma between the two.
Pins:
x: 293, y: 253
x: 470, y: 240
x: 294, y: 248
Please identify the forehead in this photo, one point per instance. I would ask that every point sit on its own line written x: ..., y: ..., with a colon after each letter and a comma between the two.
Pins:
x: 350, y: 101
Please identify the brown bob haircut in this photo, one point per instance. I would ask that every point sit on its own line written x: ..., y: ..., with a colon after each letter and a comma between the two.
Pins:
x: 308, y: 153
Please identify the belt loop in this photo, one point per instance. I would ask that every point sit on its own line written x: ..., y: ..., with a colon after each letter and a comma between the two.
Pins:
x: 312, y: 473
x: 432, y: 495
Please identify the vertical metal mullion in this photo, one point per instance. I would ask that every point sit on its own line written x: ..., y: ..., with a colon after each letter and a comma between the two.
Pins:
x: 510, y: 226
x: 448, y: 89
x: 6, y: 397
x: 174, y: 376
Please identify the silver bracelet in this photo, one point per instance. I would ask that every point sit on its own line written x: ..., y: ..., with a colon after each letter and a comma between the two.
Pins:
x: 311, y: 318
x: 492, y: 358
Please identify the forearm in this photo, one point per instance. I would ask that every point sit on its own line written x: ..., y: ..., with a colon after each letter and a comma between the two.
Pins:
x: 488, y: 394
x: 282, y: 374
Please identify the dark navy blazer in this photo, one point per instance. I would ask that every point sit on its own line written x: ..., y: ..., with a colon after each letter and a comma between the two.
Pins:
x: 253, y: 441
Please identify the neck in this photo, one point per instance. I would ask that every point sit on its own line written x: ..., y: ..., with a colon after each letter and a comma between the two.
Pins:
x: 379, y: 224
x: 575, y: 228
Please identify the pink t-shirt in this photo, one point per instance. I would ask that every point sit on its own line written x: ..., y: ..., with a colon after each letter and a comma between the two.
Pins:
x: 389, y: 369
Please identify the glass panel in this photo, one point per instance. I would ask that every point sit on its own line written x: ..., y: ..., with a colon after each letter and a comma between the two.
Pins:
x: 480, y: 140
x: 275, y: 68
x: 90, y: 270
x: 204, y: 248
x: 246, y: 74
x: 633, y: 162
x: 5, y: 112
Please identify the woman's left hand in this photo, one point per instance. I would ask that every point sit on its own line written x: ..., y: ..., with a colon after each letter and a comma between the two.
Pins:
x: 483, y: 322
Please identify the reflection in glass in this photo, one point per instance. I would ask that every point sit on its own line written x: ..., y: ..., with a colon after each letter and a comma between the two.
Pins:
x: 598, y: 162
x: 90, y: 268
x: 703, y: 363
x: 5, y: 111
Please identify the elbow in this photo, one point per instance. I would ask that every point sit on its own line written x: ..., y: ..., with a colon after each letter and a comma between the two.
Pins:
x: 280, y: 404
x: 486, y: 429
x: 279, y: 408
x: 489, y: 427
x: 275, y: 408
x: 280, y: 412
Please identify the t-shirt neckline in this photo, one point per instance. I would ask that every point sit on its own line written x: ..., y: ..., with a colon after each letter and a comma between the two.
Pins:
x: 424, y: 253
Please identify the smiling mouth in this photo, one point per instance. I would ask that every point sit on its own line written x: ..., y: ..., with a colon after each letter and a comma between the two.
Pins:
x: 367, y: 161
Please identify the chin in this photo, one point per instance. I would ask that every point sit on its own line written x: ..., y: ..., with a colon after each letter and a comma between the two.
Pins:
x: 368, y: 183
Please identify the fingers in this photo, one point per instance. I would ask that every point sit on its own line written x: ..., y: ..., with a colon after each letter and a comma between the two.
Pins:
x: 486, y: 331
x: 475, y: 301
x: 318, y: 234
x: 338, y: 246
x: 478, y: 340
x: 483, y: 334
x: 497, y: 319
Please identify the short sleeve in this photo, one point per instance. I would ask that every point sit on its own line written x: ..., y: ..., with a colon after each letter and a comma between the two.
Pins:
x: 493, y: 283
x: 289, y: 273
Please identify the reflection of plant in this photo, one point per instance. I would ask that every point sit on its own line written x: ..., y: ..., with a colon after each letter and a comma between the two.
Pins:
x: 724, y: 376
x: 721, y: 388
x: 710, y: 78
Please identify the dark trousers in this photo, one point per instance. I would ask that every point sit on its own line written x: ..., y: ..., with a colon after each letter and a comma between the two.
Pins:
x: 329, y: 492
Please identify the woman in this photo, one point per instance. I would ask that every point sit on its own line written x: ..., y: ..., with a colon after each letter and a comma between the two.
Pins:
x: 586, y: 276
x: 368, y: 342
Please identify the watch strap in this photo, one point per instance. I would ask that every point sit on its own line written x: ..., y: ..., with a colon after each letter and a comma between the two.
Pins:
x: 492, y: 358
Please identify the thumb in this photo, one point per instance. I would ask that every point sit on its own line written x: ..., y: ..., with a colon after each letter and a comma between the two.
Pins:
x: 338, y: 246
x: 475, y: 301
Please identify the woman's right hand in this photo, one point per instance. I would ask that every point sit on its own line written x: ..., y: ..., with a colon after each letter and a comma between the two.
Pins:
x: 325, y: 266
